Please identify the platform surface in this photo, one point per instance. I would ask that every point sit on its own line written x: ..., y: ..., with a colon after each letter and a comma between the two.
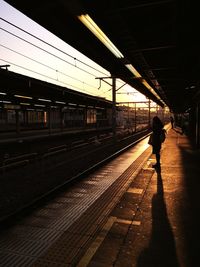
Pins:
x: 125, y: 215
x: 156, y: 222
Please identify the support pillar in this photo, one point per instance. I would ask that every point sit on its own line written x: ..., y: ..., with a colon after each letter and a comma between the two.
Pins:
x: 149, y: 113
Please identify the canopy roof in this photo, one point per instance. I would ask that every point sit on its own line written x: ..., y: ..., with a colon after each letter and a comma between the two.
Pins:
x: 159, y: 38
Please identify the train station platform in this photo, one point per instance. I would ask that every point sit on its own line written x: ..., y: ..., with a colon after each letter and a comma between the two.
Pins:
x: 153, y: 223
x: 156, y: 222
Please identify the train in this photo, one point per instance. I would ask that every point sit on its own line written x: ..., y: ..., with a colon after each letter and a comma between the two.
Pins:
x: 66, y: 117
x: 70, y: 117
x: 30, y: 104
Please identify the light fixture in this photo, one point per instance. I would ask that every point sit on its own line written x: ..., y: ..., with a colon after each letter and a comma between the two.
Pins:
x: 143, y: 81
x: 60, y: 102
x: 71, y: 104
x: 38, y: 105
x: 45, y: 100
x: 6, y: 102
x: 150, y: 88
x: 54, y: 106
x: 23, y: 96
x: 133, y: 70
x: 24, y: 104
x: 93, y: 27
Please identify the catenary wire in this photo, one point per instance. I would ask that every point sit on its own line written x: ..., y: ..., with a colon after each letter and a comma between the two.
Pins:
x: 50, y: 52
x: 50, y: 45
x: 46, y: 65
x: 44, y: 50
x: 46, y: 76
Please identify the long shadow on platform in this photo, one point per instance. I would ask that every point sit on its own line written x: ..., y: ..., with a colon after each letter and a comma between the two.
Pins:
x: 161, y: 251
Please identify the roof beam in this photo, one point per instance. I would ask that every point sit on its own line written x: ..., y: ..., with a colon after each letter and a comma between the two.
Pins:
x: 154, y: 48
x: 147, y: 4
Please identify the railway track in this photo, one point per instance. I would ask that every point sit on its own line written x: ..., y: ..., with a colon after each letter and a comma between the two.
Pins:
x: 33, y: 182
x: 59, y: 228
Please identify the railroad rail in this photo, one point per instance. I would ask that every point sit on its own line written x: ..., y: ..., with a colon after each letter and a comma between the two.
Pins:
x: 40, y: 179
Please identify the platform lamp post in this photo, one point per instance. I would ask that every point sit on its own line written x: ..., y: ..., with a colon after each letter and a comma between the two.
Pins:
x: 113, y: 85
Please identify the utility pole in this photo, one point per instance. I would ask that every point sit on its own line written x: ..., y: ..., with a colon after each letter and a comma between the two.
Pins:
x: 113, y: 85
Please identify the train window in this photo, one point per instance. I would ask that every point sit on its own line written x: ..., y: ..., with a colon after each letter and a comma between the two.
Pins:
x: 91, y: 116
x: 2, y: 116
x: 11, y: 116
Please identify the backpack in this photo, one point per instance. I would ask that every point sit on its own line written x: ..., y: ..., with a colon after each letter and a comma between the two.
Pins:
x: 163, y: 135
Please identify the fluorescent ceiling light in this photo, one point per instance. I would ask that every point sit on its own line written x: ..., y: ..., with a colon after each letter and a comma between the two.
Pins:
x: 6, y: 102
x: 24, y: 104
x: 71, y: 104
x: 150, y: 89
x: 1, y: 93
x: 37, y: 105
x: 54, y: 106
x: 133, y: 70
x: 144, y: 82
x: 45, y: 100
x: 22, y: 96
x: 60, y: 102
x: 92, y: 26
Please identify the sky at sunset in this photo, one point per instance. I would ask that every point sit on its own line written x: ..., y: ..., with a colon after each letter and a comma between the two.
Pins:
x: 54, y: 63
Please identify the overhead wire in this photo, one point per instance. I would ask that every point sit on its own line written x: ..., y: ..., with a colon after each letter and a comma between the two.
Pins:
x: 46, y: 51
x: 34, y: 60
x: 58, y: 49
x: 43, y: 75
x: 38, y: 73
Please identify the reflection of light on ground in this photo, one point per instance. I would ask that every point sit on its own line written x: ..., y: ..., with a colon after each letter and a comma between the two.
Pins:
x: 151, y: 159
x: 139, y: 148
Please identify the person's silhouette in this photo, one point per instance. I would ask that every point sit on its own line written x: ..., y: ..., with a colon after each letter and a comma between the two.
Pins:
x: 157, y: 127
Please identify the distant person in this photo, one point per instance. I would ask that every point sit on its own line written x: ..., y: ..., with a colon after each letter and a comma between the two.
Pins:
x: 156, y: 142
x: 172, y: 122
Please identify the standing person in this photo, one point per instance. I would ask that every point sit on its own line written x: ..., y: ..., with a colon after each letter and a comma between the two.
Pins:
x: 157, y: 127
x: 172, y: 122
